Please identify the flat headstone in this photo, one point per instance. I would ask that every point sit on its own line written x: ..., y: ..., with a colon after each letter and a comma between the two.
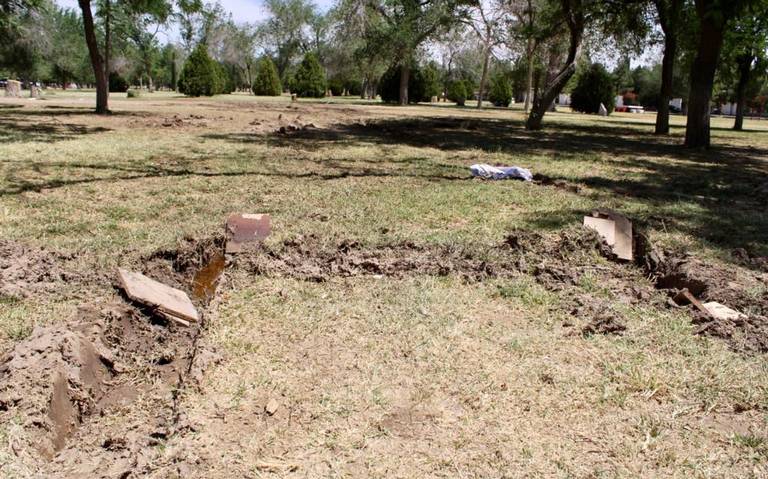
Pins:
x: 615, y: 229
x: 244, y: 228
x: 170, y: 302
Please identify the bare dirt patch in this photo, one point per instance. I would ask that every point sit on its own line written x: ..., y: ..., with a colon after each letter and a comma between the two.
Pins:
x: 741, y: 289
x: 26, y: 270
x: 110, y: 360
x: 99, y: 392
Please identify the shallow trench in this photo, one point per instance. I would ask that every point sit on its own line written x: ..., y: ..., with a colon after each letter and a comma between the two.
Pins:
x: 114, y: 359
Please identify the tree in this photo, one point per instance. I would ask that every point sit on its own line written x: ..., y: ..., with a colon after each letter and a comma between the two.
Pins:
x: 490, y: 24
x: 713, y: 18
x: 575, y: 17
x: 144, y: 21
x: 309, y: 80
x: 745, y: 55
x: 457, y: 92
x: 68, y: 52
x: 286, y: 31
x: 100, y: 58
x: 501, y: 90
x: 402, y: 25
x: 533, y: 26
x: 670, y: 16
x: 201, y: 75
x: 594, y: 87
x: 267, y: 82
x: 429, y: 76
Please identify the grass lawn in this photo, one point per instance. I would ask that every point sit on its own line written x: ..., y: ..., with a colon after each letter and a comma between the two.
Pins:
x: 409, y: 374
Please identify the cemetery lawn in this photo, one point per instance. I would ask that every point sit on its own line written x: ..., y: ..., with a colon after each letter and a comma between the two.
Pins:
x: 470, y: 371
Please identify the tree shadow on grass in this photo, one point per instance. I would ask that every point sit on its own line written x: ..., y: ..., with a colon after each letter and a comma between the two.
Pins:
x: 19, y: 124
x: 15, y: 186
x: 48, y: 132
x: 717, y: 195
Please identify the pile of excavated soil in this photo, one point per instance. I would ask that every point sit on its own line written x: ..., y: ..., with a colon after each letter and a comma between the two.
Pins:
x: 741, y: 289
x: 63, y: 378
x: 118, y: 361
x: 27, y: 270
x: 114, y: 361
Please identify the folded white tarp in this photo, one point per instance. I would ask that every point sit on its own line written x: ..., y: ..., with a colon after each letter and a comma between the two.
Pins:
x: 500, y: 172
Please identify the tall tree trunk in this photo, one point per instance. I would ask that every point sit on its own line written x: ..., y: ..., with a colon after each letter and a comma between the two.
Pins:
x: 484, y: 76
x: 711, y: 27
x: 669, y: 12
x: 529, y: 77
x: 173, y: 70
x: 745, y: 67
x: 97, y: 61
x: 405, y: 75
x: 574, y: 17
x: 667, y: 71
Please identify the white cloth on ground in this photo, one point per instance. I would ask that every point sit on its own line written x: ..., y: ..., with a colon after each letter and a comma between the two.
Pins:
x: 501, y: 172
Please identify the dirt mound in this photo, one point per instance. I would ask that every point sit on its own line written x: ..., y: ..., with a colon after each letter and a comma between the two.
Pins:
x: 62, y: 376
x: 27, y: 270
x: 738, y: 288
x: 308, y: 258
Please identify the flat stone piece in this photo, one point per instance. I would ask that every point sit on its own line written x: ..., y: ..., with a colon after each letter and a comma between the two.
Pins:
x: 720, y: 311
x: 615, y: 229
x: 167, y: 301
x: 243, y: 228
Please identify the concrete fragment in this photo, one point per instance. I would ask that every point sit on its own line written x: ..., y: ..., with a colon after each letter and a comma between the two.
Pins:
x: 170, y: 303
x: 272, y: 407
x: 615, y: 229
x: 722, y: 312
x: 243, y: 228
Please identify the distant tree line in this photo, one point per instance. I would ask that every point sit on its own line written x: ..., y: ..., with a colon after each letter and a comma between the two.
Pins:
x: 406, y: 51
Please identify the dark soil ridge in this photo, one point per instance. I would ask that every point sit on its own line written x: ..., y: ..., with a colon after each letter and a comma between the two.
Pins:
x: 557, y: 262
x: 62, y: 379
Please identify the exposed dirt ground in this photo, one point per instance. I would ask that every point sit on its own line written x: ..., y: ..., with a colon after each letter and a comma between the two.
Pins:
x: 366, y: 337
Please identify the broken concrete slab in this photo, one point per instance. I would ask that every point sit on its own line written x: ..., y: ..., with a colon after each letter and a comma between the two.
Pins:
x: 720, y: 311
x: 169, y: 302
x: 244, y: 228
x: 615, y: 229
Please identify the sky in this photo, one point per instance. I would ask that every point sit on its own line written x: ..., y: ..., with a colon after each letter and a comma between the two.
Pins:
x: 243, y: 11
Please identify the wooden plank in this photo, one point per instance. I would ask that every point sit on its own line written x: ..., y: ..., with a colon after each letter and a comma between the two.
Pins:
x: 169, y: 302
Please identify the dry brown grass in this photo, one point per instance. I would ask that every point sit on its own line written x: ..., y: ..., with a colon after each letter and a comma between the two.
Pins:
x: 414, y: 376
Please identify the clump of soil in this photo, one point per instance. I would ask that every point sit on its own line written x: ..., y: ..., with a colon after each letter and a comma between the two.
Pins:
x: 560, y: 184
x: 604, y: 323
x: 749, y: 334
x: 26, y: 270
x: 737, y: 288
x: 745, y: 258
x: 308, y: 258
x: 106, y: 357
